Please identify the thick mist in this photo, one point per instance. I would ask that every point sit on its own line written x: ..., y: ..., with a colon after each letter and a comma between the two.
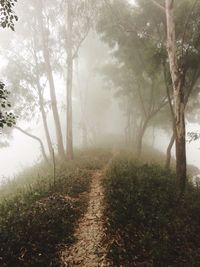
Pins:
x: 99, y: 108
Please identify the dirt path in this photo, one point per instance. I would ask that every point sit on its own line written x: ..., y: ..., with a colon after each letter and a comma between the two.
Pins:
x: 87, y: 251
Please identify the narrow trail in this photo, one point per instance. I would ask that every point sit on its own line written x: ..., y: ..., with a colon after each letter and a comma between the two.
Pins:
x: 87, y: 251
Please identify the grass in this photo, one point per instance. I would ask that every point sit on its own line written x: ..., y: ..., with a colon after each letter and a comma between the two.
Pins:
x: 146, y: 224
x: 145, y: 221
x: 38, y: 213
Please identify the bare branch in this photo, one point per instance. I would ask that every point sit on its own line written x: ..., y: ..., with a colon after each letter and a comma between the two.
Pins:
x: 80, y: 42
x: 158, y: 5
x: 141, y: 100
x: 35, y: 138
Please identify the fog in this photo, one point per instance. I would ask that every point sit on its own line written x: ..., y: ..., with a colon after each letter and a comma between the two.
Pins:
x: 96, y: 107
x: 99, y: 133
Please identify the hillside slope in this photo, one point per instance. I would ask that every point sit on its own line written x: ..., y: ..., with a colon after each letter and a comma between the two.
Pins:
x: 39, y: 212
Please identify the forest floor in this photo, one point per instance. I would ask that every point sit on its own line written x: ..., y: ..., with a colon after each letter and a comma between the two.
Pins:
x: 87, y: 250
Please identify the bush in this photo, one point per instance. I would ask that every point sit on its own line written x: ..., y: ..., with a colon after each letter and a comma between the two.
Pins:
x: 29, y: 237
x: 146, y: 220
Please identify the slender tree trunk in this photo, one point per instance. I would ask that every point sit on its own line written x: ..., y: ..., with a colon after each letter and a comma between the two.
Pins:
x: 59, y: 136
x: 139, y: 141
x: 41, y: 104
x: 45, y: 50
x: 169, y: 149
x: 178, y: 95
x: 181, y: 150
x: 44, y: 119
x: 35, y: 138
x: 69, y: 137
x: 153, y: 136
x: 84, y: 135
x: 134, y: 132
x: 128, y: 130
x: 139, y: 144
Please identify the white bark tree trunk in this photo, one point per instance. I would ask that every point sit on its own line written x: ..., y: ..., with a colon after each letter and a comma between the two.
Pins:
x: 177, y: 76
x: 49, y: 72
x: 69, y: 130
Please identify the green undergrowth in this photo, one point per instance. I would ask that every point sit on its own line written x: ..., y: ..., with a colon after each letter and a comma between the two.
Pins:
x: 39, y: 210
x: 145, y: 221
x: 42, y: 174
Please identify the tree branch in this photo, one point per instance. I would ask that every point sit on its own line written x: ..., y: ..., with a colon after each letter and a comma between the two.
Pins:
x: 158, y: 5
x: 35, y: 138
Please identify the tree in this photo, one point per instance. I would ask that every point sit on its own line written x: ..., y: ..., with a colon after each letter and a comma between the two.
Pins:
x: 25, y: 74
x: 183, y: 54
x: 182, y: 60
x: 178, y: 76
x: 24, y: 81
x: 146, y: 22
x: 136, y: 69
x: 69, y: 137
x: 79, y: 18
x: 46, y: 55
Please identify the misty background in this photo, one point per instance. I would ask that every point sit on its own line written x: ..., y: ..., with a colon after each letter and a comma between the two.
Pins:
x: 94, y: 101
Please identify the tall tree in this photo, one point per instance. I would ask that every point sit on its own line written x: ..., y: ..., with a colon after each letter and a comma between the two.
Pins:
x: 40, y: 92
x: 24, y: 74
x: 79, y: 18
x: 182, y: 59
x: 178, y: 75
x: 49, y: 72
x: 69, y: 136
x: 146, y: 22
x: 136, y: 70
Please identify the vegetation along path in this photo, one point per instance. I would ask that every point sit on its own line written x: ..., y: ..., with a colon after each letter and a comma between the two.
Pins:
x: 87, y: 251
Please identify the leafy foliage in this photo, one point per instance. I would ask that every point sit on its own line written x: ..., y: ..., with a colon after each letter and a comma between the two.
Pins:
x: 146, y: 222
x: 6, y: 118
x: 135, y: 71
x: 7, y: 19
x: 7, y: 15
x: 193, y: 136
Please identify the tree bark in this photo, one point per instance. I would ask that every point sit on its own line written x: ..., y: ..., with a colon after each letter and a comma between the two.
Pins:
x: 35, y: 138
x: 168, y: 154
x: 128, y: 128
x: 41, y: 104
x: 139, y: 141
x: 45, y: 50
x: 84, y: 135
x: 153, y: 136
x: 177, y: 76
x: 69, y: 137
x: 44, y: 119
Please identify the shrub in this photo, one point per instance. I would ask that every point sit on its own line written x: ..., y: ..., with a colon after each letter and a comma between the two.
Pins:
x: 145, y: 219
x: 29, y: 237
x: 39, y: 212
